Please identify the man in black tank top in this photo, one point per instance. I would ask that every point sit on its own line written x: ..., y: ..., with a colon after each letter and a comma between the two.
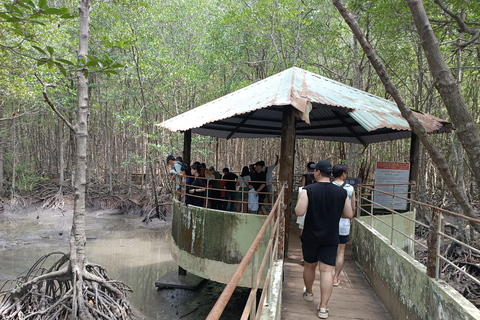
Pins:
x: 324, y: 203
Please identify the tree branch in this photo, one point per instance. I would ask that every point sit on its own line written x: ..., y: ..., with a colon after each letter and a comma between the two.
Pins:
x: 50, y: 103
x: 13, y: 117
x: 437, y: 157
x: 461, y: 24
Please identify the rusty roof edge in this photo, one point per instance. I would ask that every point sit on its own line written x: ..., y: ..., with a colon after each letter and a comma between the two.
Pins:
x: 167, y: 124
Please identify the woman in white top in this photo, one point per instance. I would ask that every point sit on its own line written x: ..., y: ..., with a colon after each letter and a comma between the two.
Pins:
x: 339, y: 172
x: 243, y: 181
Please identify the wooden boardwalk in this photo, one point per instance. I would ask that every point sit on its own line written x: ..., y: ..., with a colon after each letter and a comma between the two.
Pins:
x: 353, y: 299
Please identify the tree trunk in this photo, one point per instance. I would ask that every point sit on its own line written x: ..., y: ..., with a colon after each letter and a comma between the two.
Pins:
x: 61, y: 155
x: 438, y: 158
x: 2, y: 102
x: 14, y: 159
x: 354, y: 149
x: 466, y: 128
x: 77, y: 236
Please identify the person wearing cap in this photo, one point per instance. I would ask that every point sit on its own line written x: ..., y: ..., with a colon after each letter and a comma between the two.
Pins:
x: 176, y: 172
x: 324, y: 204
x: 259, y: 179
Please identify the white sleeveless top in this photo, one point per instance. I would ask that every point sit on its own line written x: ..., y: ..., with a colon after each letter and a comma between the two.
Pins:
x: 344, y: 224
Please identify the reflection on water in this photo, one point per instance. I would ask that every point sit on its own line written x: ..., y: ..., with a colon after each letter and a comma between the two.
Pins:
x: 131, y: 252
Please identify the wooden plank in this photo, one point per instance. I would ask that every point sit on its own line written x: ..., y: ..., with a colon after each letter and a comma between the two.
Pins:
x: 353, y: 299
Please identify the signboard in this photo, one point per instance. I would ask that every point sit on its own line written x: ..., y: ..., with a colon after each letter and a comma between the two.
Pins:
x: 394, y: 177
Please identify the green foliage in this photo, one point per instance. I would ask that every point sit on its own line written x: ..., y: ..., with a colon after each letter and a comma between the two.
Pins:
x: 132, y: 159
x: 173, y: 55
x: 26, y: 177
x: 199, y: 145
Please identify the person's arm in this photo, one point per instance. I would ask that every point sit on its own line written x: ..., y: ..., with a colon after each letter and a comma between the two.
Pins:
x: 276, y: 161
x: 260, y: 188
x: 302, y: 203
x: 347, y: 209
x: 303, y: 181
x: 354, y: 203
x: 200, y: 187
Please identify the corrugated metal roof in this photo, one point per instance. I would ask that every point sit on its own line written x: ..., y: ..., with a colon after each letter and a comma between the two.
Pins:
x: 327, y: 110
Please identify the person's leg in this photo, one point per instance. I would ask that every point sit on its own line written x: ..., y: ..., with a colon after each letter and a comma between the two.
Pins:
x: 261, y: 204
x: 309, y: 276
x: 268, y: 198
x: 223, y: 204
x: 231, y: 198
x: 339, y: 263
x: 326, y: 283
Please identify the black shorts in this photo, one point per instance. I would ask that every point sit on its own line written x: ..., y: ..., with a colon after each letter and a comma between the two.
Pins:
x: 343, y: 239
x: 261, y: 199
x: 315, y: 252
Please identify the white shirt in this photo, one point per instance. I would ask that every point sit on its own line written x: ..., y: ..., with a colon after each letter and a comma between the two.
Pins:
x: 344, y: 224
x: 269, y: 173
x: 252, y: 200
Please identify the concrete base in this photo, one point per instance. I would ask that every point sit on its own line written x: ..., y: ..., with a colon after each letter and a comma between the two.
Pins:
x: 401, y: 282
x: 173, y: 280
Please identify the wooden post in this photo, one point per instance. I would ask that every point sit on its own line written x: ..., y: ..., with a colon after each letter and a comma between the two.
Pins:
x: 414, y: 159
x: 287, y: 156
x: 187, y: 146
x: 414, y: 155
x: 432, y: 244
x: 187, y: 150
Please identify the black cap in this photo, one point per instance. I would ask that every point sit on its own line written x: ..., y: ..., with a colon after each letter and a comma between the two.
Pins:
x: 259, y: 163
x: 170, y: 157
x: 324, y: 166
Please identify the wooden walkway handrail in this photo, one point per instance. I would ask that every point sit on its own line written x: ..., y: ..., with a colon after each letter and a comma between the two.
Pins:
x: 208, y: 197
x: 222, y: 301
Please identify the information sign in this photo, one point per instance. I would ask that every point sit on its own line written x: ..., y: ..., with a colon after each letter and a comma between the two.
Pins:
x: 391, y: 177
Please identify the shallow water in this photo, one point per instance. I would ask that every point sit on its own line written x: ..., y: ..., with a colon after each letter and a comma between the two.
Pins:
x: 132, y: 252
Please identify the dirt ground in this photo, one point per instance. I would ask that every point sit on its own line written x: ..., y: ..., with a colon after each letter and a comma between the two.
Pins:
x: 34, y: 226
x: 27, y: 232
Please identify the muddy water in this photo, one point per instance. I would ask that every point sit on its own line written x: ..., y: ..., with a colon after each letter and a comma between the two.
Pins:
x: 130, y: 251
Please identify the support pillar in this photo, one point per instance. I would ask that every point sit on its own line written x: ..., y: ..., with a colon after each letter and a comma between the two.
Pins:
x: 187, y: 146
x: 287, y: 156
x: 187, y: 151
x: 414, y: 163
x: 414, y: 157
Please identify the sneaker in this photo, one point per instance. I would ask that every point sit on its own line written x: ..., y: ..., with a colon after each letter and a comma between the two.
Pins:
x: 322, y: 313
x: 307, y: 296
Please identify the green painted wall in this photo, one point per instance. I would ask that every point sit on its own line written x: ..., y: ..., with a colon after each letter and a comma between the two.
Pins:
x: 211, y: 243
x: 401, y: 282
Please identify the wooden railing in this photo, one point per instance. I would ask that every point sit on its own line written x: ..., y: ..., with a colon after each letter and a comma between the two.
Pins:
x: 251, y: 309
x: 242, y: 193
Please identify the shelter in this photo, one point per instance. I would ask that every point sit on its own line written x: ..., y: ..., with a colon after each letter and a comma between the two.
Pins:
x: 296, y: 103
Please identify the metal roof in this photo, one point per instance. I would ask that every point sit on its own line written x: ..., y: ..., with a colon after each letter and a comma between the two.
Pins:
x: 325, y: 110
